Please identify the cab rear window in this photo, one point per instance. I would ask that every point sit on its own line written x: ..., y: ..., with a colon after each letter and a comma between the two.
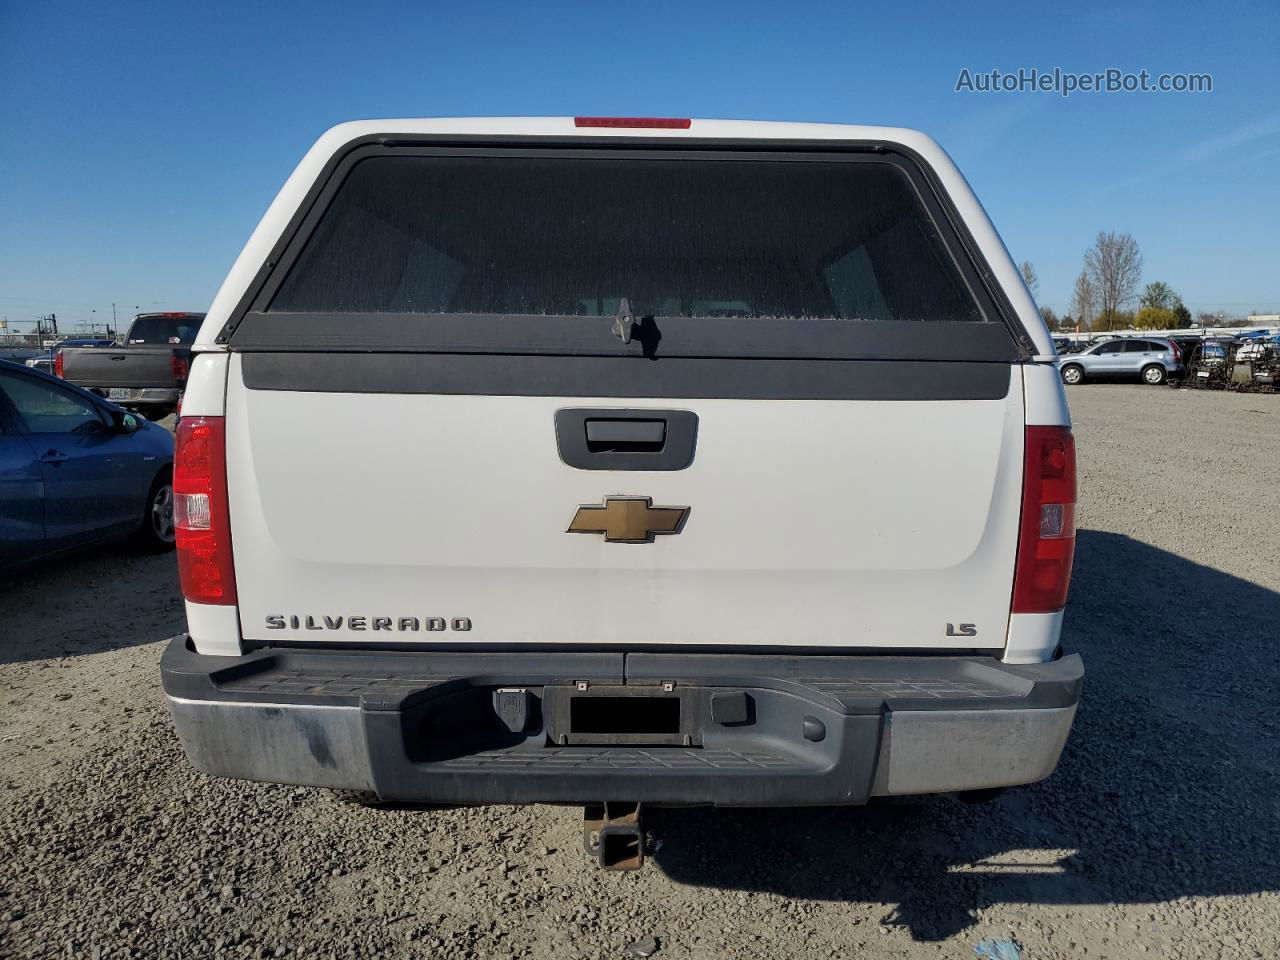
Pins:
x: 161, y: 329
x: 674, y: 238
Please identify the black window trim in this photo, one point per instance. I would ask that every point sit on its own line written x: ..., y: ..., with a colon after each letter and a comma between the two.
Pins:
x: 956, y: 239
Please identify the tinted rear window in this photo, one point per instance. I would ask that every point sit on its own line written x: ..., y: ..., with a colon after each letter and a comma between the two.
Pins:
x: 164, y: 329
x: 535, y: 236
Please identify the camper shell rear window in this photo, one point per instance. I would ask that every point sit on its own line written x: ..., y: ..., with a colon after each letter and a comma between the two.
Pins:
x: 694, y: 253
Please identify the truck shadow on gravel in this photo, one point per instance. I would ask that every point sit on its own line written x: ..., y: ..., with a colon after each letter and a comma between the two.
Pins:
x: 104, y: 599
x: 1166, y: 789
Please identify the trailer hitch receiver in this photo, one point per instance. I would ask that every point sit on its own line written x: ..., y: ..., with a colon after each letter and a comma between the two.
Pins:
x: 613, y: 833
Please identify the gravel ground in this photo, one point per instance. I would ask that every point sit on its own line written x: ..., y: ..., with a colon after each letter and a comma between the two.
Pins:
x: 1157, y: 835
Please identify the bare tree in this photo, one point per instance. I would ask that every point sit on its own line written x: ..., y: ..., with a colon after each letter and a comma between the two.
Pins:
x: 1084, y: 301
x: 1030, y: 279
x: 1114, y: 266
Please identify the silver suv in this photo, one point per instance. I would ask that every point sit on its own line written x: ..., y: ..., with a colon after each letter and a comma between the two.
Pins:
x: 1152, y: 359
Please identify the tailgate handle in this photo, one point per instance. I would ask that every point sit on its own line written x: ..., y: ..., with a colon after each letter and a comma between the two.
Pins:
x: 605, y: 438
x: 624, y: 435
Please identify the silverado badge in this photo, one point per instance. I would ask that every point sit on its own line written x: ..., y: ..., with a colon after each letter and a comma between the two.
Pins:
x: 628, y: 519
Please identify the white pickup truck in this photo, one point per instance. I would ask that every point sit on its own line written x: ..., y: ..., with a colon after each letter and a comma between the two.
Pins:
x: 624, y: 461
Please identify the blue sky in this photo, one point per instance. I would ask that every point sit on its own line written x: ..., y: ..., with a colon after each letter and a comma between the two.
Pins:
x: 141, y: 142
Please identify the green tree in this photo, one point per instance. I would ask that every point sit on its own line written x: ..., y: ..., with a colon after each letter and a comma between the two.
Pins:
x: 1159, y: 295
x: 1183, y: 314
x: 1155, y: 318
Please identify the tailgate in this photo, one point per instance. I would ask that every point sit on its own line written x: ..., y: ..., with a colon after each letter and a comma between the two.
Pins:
x: 119, y: 367
x: 519, y: 398
x: 811, y: 523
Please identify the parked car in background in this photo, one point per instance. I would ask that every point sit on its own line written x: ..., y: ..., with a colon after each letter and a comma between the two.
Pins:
x: 1069, y: 344
x: 147, y: 372
x: 1151, y: 359
x: 76, y: 471
x: 1257, y: 363
x: 1255, y: 348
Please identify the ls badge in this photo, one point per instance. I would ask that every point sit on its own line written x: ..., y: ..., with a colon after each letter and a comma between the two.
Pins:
x: 963, y: 630
x: 628, y: 519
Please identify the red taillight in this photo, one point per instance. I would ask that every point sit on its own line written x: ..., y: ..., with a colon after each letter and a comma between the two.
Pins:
x: 180, y: 367
x: 644, y: 123
x: 200, y: 511
x: 59, y: 365
x: 1047, y: 540
x: 1177, y: 351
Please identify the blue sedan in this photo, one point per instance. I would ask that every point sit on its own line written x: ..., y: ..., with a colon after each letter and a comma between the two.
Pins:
x: 77, y: 471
